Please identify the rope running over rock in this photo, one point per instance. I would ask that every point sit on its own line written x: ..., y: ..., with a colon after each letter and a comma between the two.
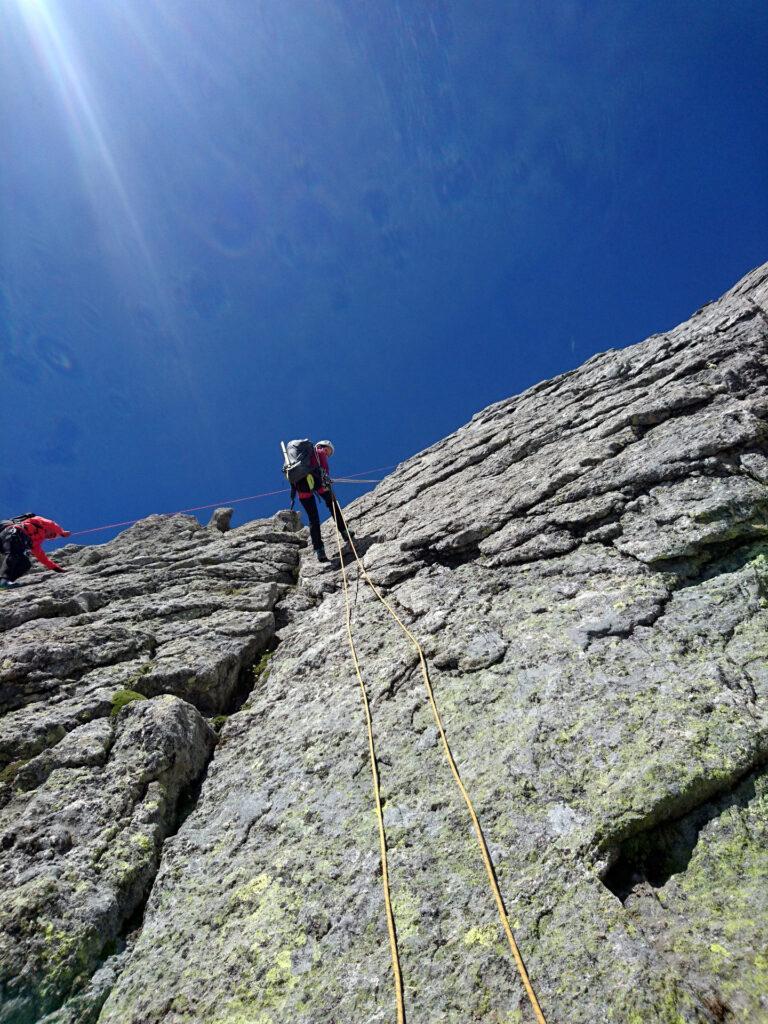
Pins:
x: 485, y: 852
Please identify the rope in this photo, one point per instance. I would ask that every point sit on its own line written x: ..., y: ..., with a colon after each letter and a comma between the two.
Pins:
x: 393, y: 951
x: 354, y: 478
x: 482, y: 843
x: 181, y: 511
x: 378, y: 469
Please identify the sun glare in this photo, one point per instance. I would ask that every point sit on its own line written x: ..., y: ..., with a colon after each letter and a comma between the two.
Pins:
x: 57, y: 56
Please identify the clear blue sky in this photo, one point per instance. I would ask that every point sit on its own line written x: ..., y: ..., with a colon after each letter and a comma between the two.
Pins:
x: 226, y: 222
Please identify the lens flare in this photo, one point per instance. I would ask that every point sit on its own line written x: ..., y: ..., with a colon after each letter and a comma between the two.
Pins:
x: 54, y: 354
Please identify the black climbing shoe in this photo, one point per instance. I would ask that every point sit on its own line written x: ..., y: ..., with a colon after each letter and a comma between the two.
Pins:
x: 321, y: 555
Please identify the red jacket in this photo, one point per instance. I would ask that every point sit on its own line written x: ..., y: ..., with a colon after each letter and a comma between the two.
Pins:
x: 38, y: 530
x: 321, y: 462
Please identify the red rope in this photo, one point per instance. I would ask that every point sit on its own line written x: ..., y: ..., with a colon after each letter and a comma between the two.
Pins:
x: 215, y: 504
x: 379, y: 469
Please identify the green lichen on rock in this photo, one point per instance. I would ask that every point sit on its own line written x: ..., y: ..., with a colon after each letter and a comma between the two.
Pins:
x: 486, y: 936
x: 97, y: 806
x: 405, y: 907
x: 725, y: 897
x: 263, y: 916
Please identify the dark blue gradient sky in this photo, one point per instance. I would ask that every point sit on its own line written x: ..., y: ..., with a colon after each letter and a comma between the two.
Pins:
x: 223, y: 223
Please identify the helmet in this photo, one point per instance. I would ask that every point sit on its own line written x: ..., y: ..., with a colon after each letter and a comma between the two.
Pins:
x: 325, y: 444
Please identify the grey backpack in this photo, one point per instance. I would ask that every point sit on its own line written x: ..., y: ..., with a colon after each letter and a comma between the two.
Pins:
x: 9, y: 529
x: 299, y: 458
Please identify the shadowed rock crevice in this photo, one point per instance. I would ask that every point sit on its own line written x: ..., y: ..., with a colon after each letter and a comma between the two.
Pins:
x: 249, y: 676
x: 84, y: 1006
x: 652, y: 857
x: 720, y: 558
x: 449, y: 558
x: 78, y: 873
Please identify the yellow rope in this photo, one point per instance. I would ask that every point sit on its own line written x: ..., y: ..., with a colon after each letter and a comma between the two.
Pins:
x: 398, y: 977
x: 485, y: 852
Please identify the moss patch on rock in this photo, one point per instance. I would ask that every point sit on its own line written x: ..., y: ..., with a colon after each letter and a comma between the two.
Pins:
x: 123, y: 697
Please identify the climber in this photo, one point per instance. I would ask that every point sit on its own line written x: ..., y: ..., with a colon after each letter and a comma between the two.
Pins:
x: 21, y: 536
x: 318, y: 481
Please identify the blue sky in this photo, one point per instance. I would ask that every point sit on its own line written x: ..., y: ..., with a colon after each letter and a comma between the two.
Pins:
x: 223, y: 224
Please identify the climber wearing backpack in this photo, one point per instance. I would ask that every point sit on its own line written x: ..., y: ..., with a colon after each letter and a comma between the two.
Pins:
x: 21, y: 536
x: 306, y: 467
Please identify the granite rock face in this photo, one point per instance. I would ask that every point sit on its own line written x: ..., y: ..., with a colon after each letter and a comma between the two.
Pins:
x: 82, y: 840
x: 106, y: 675
x: 586, y: 567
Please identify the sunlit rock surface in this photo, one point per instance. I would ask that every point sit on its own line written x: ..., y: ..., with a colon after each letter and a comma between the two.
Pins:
x: 94, y: 777
x: 586, y: 566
